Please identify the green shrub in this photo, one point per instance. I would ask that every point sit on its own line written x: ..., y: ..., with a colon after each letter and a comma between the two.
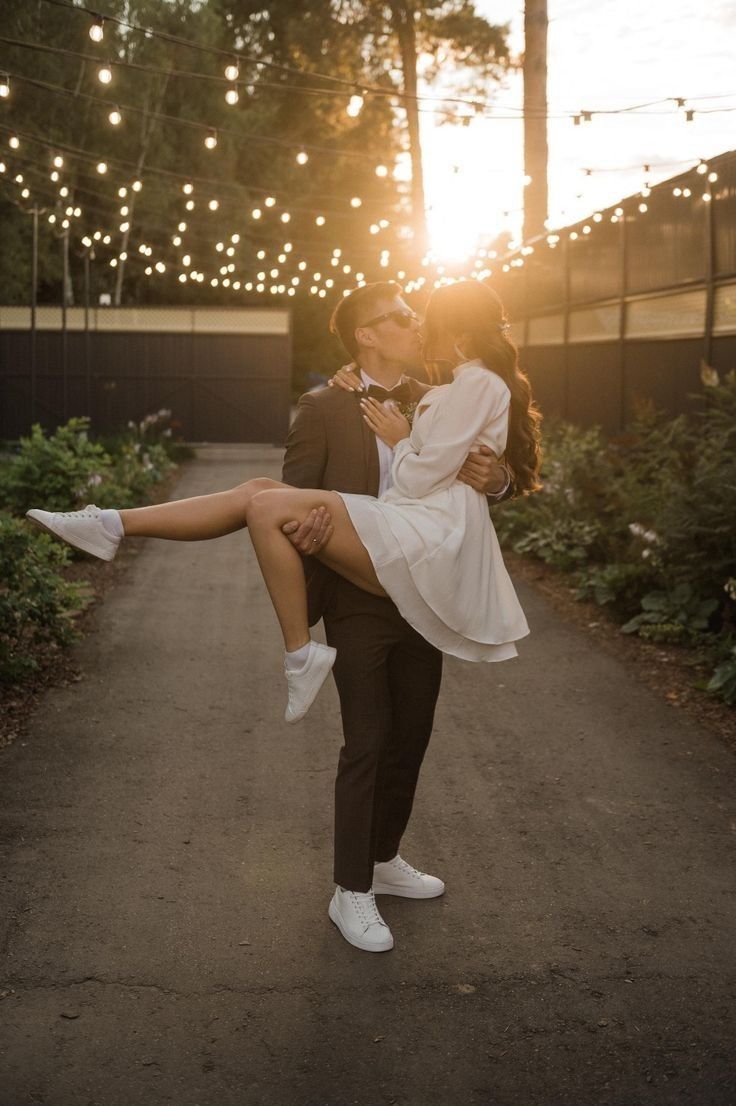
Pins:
x: 56, y: 473
x: 644, y: 521
x: 36, y: 604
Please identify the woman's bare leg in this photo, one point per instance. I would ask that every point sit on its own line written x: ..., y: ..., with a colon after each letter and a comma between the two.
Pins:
x: 198, y: 518
x: 281, y: 564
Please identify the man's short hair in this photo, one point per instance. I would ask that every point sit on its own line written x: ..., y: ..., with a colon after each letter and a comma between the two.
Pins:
x: 361, y: 304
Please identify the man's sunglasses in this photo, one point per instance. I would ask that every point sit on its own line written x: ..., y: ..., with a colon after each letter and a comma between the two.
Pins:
x: 404, y: 319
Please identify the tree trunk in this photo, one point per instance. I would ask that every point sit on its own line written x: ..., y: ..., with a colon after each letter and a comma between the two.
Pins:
x: 147, y: 127
x: 535, y: 117
x: 402, y: 12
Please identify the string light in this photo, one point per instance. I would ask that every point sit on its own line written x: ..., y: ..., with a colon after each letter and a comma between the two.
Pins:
x: 101, y: 166
x: 213, y: 205
x: 4, y: 86
x: 232, y: 70
x: 256, y: 213
x: 355, y: 105
x: 320, y: 220
x: 187, y: 188
x: 381, y: 170
x: 269, y: 201
x: 210, y: 140
x: 137, y: 185
x: 232, y: 96
x: 104, y: 74
x: 115, y: 117
x: 97, y: 29
x: 302, y: 157
x: 356, y: 201
x: 14, y: 142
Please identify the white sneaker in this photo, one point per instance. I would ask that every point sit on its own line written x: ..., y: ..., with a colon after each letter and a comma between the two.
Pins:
x: 356, y: 916
x: 396, y: 877
x: 305, y: 682
x: 82, y: 529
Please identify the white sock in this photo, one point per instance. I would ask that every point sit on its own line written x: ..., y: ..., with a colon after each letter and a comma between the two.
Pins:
x: 298, y: 658
x: 113, y: 523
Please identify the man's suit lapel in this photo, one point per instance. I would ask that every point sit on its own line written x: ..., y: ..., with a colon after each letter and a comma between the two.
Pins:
x: 365, y: 440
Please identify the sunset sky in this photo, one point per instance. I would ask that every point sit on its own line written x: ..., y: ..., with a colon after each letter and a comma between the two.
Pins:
x: 602, y: 54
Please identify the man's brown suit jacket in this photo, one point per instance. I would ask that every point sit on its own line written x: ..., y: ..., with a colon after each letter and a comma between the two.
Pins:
x: 330, y: 446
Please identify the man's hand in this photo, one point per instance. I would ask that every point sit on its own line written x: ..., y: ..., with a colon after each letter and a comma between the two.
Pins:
x: 311, y: 535
x: 348, y: 377
x: 483, y: 472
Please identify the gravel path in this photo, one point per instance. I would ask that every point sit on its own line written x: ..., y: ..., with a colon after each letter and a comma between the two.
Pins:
x: 167, y: 869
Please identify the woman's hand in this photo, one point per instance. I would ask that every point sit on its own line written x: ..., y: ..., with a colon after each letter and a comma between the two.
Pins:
x: 348, y: 377
x: 386, y: 421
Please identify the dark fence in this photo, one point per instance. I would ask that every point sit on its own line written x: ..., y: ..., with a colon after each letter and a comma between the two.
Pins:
x: 625, y: 305
x: 225, y: 373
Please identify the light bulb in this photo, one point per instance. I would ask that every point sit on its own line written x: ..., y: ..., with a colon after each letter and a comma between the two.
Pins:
x: 54, y: 176
x: 4, y: 86
x: 189, y: 205
x: 137, y: 185
x: 256, y: 213
x: 14, y: 142
x: 101, y: 166
x: 355, y: 105
x: 232, y: 71
x: 211, y: 139
x: 269, y: 201
x: 97, y: 30
x: 115, y: 117
x: 381, y: 171
x: 285, y: 217
x: 288, y: 247
x: 302, y: 157
x: 261, y: 254
x: 356, y: 201
x: 232, y: 96
x: 104, y: 74
x: 187, y: 189
x: 213, y: 205
x: 58, y: 161
x: 235, y: 238
x: 320, y: 220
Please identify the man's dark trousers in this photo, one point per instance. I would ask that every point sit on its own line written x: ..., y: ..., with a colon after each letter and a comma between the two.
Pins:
x: 387, y: 676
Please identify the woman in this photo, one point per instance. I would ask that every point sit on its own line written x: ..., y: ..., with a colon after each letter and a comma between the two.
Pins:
x: 427, y: 542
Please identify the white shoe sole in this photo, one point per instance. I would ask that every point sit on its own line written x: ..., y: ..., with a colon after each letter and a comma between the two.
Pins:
x: 408, y: 893
x: 357, y: 941
x: 326, y: 662
x: 77, y: 543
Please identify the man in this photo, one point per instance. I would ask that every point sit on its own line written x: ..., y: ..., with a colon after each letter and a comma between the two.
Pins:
x: 387, y: 675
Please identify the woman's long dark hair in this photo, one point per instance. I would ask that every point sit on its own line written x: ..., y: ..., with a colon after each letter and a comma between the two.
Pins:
x: 471, y: 308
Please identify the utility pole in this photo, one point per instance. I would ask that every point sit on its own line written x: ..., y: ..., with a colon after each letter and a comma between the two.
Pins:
x: 536, y: 200
x: 402, y: 14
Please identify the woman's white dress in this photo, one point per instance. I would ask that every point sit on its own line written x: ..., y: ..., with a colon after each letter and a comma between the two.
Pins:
x: 430, y: 537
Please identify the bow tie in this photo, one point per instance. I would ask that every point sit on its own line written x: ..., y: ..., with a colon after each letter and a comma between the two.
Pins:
x: 400, y: 394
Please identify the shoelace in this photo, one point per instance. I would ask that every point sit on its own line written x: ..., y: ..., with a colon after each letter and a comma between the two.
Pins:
x: 370, y: 915
x: 88, y: 512
x: 407, y: 868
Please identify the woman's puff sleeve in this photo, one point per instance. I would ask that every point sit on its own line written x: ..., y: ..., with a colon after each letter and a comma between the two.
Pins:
x: 473, y: 402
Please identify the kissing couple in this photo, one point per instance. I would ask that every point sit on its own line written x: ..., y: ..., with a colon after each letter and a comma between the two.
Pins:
x: 409, y: 565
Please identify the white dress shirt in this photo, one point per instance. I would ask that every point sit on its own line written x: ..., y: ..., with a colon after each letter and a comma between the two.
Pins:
x: 385, y: 452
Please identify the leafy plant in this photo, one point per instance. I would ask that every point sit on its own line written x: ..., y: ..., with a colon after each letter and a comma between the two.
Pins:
x: 36, y: 604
